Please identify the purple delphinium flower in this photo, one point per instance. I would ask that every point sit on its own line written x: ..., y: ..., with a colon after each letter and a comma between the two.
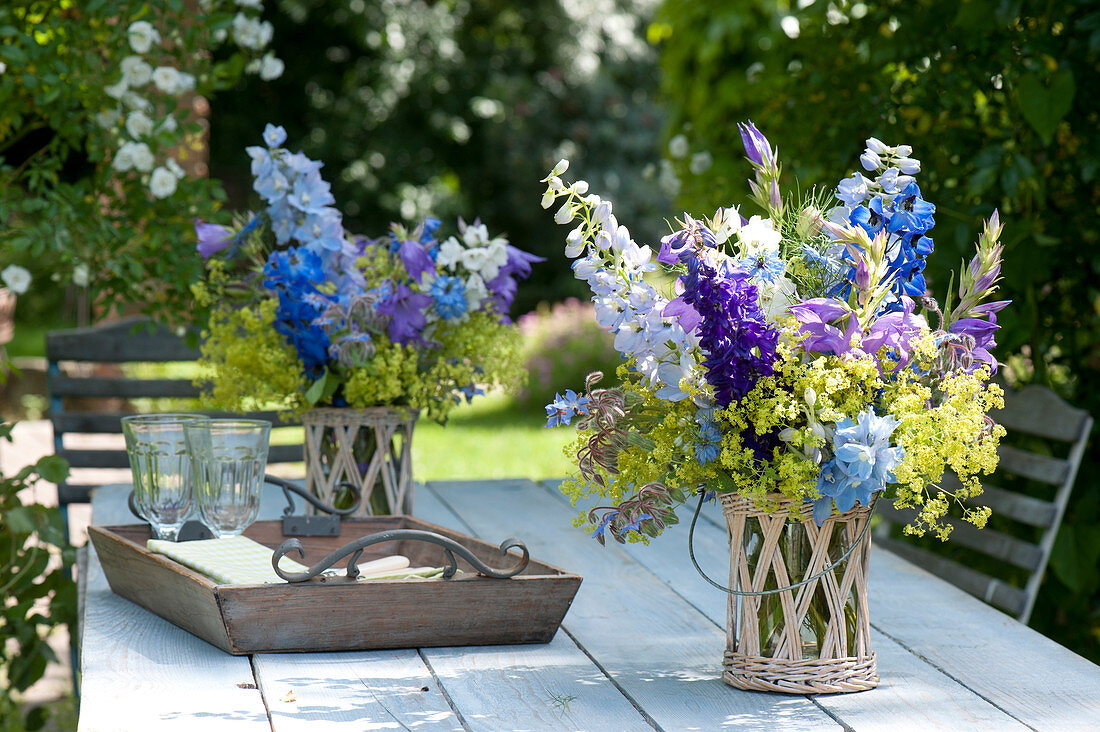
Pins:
x: 406, y: 311
x: 734, y: 334
x: 563, y: 409
x: 212, y: 238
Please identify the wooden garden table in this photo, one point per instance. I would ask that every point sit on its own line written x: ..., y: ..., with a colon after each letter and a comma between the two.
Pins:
x: 641, y: 648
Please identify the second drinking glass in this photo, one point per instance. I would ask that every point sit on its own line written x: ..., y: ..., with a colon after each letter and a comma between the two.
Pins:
x: 228, y: 458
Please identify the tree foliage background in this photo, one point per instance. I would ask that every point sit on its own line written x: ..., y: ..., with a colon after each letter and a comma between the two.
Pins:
x: 997, y: 98
x: 459, y: 108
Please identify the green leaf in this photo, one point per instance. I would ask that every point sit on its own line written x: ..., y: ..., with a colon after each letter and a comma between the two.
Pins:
x: 53, y: 468
x: 1044, y: 106
x: 20, y: 520
x: 316, y: 390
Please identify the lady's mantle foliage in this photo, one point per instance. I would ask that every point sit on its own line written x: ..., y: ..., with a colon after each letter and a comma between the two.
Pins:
x: 793, y: 355
x: 401, y: 319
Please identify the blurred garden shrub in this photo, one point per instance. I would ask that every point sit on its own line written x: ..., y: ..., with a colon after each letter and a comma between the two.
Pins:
x: 101, y: 142
x: 562, y: 344
x: 997, y: 98
x: 460, y: 107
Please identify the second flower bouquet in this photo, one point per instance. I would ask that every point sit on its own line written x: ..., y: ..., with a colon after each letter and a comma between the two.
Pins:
x: 351, y: 330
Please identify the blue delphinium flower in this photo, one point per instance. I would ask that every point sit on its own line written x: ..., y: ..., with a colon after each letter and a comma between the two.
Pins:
x: 563, y: 409
x: 709, y: 443
x: 450, y: 297
x: 864, y: 463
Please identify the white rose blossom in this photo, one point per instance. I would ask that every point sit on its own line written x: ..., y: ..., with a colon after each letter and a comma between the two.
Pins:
x: 81, y: 275
x: 133, y: 156
x: 162, y: 183
x: 107, y: 118
x: 116, y: 91
x: 16, y: 278
x: 251, y: 33
x: 170, y: 81
x: 138, y: 124
x: 142, y: 36
x: 271, y: 68
x: 174, y: 167
x: 135, y: 71
x: 254, y: 4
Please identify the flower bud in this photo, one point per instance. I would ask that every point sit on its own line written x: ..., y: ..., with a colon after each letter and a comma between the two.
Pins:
x: 810, y: 396
x: 556, y: 184
x: 863, y: 275
x: 561, y: 167
x: 787, y: 434
x: 580, y: 187
x: 548, y: 198
x: 564, y: 214
x: 809, y: 222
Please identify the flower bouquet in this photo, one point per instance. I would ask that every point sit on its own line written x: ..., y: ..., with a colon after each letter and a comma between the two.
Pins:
x: 356, y: 334
x: 791, y: 370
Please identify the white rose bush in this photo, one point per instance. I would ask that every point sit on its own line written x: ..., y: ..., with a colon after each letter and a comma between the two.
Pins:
x: 100, y: 167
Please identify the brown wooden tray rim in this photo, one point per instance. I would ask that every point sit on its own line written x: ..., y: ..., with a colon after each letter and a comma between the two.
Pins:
x: 334, y: 614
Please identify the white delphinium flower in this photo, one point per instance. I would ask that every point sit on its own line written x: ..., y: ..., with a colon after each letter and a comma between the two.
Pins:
x: 138, y: 124
x: 142, y: 36
x: 450, y: 253
x: 574, y: 242
x: 16, y: 278
x: 135, y: 71
x: 853, y: 191
x: 81, y: 275
x: 476, y: 292
x: 162, y: 183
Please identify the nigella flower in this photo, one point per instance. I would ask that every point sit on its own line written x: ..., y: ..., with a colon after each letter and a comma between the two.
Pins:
x: 563, y: 409
x: 709, y: 444
x: 450, y: 297
x: 764, y: 265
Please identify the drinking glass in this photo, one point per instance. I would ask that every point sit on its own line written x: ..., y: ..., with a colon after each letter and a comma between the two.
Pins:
x: 228, y: 458
x: 157, y: 449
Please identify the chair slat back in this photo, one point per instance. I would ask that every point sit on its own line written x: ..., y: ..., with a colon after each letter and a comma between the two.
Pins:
x: 1037, y: 412
x: 71, y: 353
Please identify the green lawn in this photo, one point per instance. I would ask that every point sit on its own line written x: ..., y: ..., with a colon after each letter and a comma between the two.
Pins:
x: 490, y: 439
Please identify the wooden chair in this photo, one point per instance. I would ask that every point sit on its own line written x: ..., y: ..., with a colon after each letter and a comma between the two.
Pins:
x: 85, y: 404
x: 1033, y: 411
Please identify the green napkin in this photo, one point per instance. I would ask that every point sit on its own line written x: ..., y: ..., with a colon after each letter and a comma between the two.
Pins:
x: 238, y: 560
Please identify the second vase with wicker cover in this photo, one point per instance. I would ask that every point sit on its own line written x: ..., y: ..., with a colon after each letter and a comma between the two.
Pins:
x: 370, y: 448
x: 797, y: 620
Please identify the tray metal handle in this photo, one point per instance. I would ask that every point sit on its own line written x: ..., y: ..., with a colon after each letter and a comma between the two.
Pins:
x: 355, y: 550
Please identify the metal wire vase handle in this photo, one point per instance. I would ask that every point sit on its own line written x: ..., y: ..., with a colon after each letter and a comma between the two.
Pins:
x: 355, y: 548
x: 741, y: 593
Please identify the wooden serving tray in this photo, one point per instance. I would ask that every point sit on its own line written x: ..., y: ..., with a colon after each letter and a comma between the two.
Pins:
x: 337, y: 614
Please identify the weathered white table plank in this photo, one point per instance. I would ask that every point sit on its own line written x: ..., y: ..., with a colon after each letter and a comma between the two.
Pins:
x: 662, y: 652
x: 640, y: 649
